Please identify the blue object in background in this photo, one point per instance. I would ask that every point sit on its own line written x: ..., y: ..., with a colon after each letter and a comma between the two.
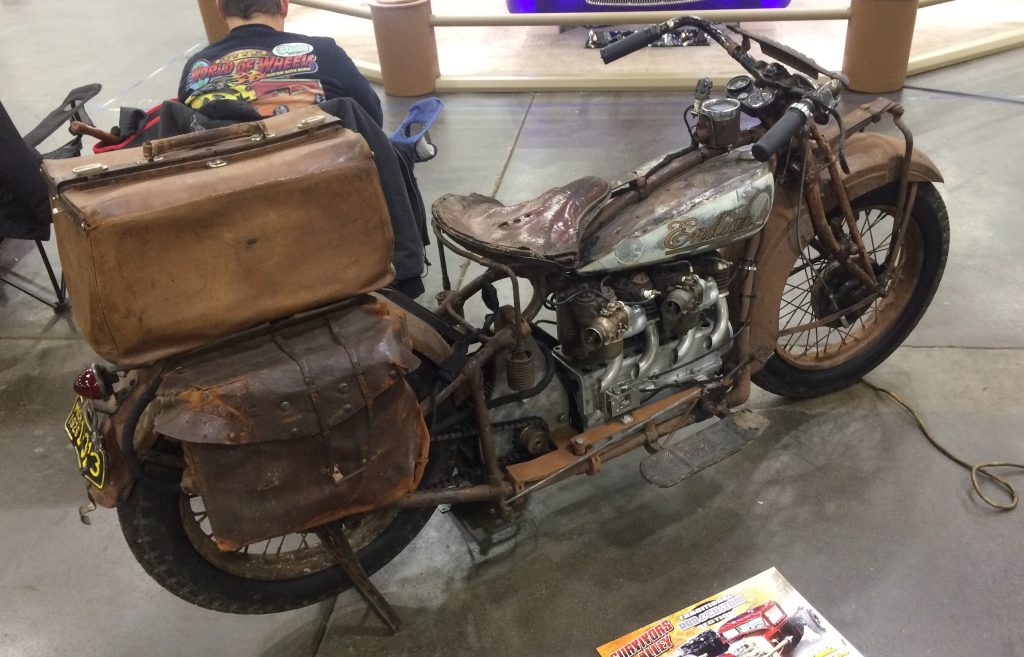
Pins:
x: 421, y: 116
x: 578, y: 6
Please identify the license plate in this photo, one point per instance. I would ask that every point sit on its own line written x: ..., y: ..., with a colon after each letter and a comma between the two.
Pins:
x: 92, y: 462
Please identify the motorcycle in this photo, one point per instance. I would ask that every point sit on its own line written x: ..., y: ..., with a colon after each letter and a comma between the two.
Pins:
x: 796, y: 254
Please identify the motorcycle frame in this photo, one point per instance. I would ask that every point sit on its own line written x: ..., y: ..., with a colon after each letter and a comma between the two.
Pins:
x: 876, y: 160
x: 586, y: 452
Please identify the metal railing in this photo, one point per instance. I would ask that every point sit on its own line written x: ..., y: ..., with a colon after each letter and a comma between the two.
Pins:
x: 362, y: 10
x: 405, y: 42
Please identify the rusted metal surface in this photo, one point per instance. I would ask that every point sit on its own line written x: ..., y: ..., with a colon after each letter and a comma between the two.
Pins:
x: 496, y: 269
x: 879, y: 318
x: 741, y: 293
x: 907, y: 195
x: 900, y: 228
x: 119, y: 478
x: 876, y: 160
x: 454, y: 496
x: 424, y: 340
x: 502, y: 339
x: 858, y: 119
x: 717, y: 202
x: 782, y: 240
x: 332, y: 537
x: 485, y: 433
x: 839, y: 193
x: 546, y: 227
x: 828, y: 319
x: 599, y: 444
x: 301, y: 426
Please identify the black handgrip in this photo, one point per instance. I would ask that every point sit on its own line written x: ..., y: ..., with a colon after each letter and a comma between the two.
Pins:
x: 771, y: 142
x: 632, y: 43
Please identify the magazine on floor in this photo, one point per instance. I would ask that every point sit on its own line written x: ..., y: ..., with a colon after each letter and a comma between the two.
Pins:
x: 761, y: 617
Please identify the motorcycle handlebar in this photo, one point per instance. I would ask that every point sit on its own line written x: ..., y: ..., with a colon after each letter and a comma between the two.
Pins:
x: 650, y: 34
x: 780, y: 134
x: 636, y: 41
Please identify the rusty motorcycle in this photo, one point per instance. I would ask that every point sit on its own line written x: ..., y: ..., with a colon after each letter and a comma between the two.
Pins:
x: 277, y: 467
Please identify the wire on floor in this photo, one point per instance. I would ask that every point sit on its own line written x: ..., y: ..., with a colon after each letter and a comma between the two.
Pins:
x: 976, y: 470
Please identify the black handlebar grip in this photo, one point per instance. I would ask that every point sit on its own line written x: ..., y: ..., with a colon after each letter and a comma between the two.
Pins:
x: 632, y: 43
x: 777, y: 136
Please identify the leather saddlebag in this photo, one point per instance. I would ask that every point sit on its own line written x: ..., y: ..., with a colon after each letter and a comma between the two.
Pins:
x: 299, y: 425
x: 170, y: 246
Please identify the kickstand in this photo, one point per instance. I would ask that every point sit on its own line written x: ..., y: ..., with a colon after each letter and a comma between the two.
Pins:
x: 332, y: 535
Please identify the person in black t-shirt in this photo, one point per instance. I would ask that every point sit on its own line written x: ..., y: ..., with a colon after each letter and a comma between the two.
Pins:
x: 274, y: 70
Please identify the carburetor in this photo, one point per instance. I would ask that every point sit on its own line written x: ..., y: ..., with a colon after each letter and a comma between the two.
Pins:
x: 592, y: 326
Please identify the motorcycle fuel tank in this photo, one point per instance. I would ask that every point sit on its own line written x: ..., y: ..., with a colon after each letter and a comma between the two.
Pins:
x: 725, y: 199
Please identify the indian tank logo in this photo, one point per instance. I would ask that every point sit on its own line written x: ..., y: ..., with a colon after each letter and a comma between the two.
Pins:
x: 684, y: 232
x: 292, y: 49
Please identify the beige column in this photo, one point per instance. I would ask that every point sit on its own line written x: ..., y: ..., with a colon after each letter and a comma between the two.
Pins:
x: 216, y: 28
x: 406, y: 46
x: 878, y: 44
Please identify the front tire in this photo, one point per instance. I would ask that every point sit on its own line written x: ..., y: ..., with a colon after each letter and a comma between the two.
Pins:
x: 820, y: 360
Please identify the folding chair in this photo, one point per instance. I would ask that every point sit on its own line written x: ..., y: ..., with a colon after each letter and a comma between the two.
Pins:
x: 71, y: 109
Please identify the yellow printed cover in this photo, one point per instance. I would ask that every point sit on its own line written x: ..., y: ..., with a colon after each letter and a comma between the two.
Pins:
x: 762, y: 617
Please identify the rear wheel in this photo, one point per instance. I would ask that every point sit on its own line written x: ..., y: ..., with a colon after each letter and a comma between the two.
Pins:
x: 170, y: 536
x: 815, y: 357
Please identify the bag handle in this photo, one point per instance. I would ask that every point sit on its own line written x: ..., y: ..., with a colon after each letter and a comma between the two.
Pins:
x: 154, y: 149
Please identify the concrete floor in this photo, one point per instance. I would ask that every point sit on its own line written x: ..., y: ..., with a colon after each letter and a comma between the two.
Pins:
x: 842, y: 494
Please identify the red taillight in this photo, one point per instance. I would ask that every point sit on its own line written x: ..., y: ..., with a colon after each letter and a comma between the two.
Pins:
x: 93, y: 384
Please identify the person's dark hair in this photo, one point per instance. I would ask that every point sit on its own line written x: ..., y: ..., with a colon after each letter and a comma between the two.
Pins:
x: 246, y: 8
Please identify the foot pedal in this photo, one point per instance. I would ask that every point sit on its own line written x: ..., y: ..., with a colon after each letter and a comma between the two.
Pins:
x: 689, y: 456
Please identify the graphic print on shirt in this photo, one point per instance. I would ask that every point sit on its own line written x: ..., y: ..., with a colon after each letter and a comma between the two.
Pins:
x: 265, y: 78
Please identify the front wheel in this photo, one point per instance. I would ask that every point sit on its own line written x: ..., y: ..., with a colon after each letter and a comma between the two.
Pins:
x: 815, y: 357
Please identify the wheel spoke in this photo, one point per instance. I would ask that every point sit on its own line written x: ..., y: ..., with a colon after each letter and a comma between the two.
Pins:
x: 817, y: 287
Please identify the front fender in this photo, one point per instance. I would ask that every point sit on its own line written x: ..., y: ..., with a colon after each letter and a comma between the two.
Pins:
x: 875, y: 161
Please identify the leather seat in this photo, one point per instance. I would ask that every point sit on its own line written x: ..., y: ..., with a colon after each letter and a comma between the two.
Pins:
x: 545, y: 228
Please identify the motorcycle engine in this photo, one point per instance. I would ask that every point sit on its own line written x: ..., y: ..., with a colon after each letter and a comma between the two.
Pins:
x: 629, y: 336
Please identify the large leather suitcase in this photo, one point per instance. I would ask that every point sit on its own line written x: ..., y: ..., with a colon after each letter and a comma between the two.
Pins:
x: 191, y: 238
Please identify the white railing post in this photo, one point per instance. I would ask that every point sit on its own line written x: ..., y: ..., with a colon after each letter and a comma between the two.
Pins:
x: 878, y: 39
x: 406, y: 46
x: 216, y: 28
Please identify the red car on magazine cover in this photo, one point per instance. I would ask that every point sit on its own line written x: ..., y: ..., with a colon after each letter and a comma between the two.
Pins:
x: 764, y: 631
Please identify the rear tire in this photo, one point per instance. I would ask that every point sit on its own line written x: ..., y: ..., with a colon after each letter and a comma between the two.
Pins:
x: 153, y: 524
x: 787, y: 375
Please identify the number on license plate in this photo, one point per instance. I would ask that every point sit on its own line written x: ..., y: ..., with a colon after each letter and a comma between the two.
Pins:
x: 92, y: 462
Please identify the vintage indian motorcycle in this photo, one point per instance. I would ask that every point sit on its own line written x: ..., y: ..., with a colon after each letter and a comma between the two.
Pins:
x: 277, y: 467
